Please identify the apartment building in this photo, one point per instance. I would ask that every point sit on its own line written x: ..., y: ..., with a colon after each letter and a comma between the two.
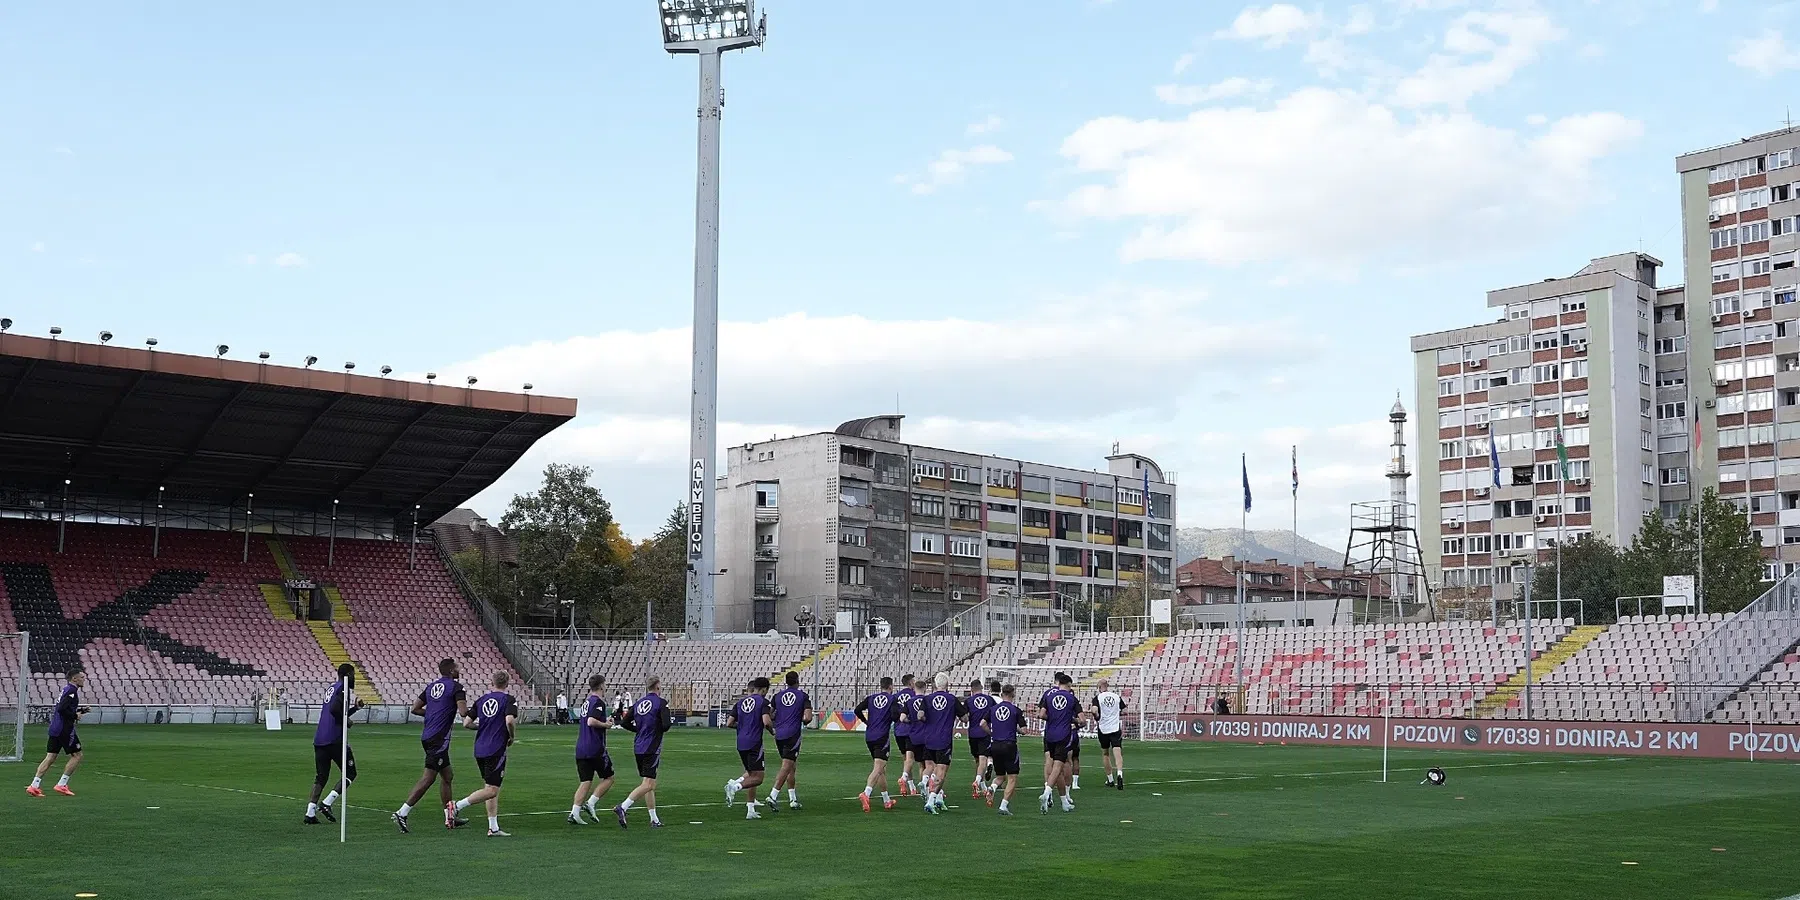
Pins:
x: 858, y: 520
x: 1577, y: 356
x: 1738, y: 209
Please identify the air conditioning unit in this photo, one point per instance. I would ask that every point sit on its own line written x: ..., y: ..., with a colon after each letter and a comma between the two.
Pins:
x: 1714, y: 217
x: 1721, y: 382
x: 1580, y: 346
x: 917, y: 478
x: 1718, y: 319
x: 1542, y: 519
x: 1477, y: 363
x: 956, y: 595
x: 1581, y: 414
x: 1579, y: 480
x: 1481, y: 492
x: 1709, y: 404
x: 1479, y: 426
x: 1503, y: 552
x: 1453, y: 523
x: 780, y: 591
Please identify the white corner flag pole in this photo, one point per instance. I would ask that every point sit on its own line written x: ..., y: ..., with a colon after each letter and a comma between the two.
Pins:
x: 1387, y: 704
x: 344, y: 761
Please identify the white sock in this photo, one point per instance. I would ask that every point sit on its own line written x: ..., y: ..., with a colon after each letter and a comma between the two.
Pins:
x: 575, y: 810
x: 1046, y: 792
x: 63, y: 781
x: 793, y: 796
x: 626, y: 805
x: 753, y: 802
x: 734, y: 785
x: 1076, y: 783
x: 462, y: 804
x: 1066, y: 797
x: 868, y: 791
x: 774, y: 795
x: 312, y: 810
x: 37, y: 782
x: 593, y: 802
x: 405, y: 810
x: 1003, y: 805
x: 653, y: 819
x: 331, y: 798
x: 493, y: 823
x: 884, y: 796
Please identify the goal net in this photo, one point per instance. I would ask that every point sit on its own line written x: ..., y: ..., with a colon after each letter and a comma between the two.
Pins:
x: 1030, y: 683
x: 15, y: 681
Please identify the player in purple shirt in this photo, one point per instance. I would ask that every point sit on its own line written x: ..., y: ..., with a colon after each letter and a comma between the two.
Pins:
x: 935, y: 729
x: 442, y: 703
x: 1060, y: 711
x: 981, y: 708
x: 903, y: 704
x: 878, y: 712
x: 329, y: 740
x: 63, y: 738
x: 1004, y: 746
x: 751, y: 717
x: 650, y: 719
x: 792, y: 711
x: 495, y: 721
x: 593, y: 765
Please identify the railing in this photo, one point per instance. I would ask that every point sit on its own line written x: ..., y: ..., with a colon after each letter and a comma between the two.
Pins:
x: 514, y: 649
x: 1739, y: 648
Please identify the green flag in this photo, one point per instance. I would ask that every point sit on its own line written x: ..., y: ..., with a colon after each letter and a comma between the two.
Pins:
x: 1562, y: 454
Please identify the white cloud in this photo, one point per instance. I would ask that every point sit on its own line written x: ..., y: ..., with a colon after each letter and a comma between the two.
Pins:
x: 952, y: 166
x: 1352, y: 176
x: 1182, y: 63
x: 38, y: 247
x: 1192, y: 94
x: 1536, y: 119
x: 1483, y: 51
x: 985, y: 126
x: 1709, y: 6
x: 250, y: 259
x: 1766, y: 54
x: 290, y: 260
x: 1272, y: 25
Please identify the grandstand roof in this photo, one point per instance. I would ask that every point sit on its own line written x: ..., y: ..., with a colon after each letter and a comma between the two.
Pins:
x: 120, y: 422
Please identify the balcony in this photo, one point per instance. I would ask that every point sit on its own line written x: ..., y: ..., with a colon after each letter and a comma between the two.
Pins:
x: 768, y: 551
x: 1070, y: 571
x: 855, y: 472
x: 765, y: 589
x: 767, y: 514
x: 1040, y: 568
x: 856, y: 512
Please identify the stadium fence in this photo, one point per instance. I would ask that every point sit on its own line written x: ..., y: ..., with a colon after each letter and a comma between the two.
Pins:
x: 1738, y: 649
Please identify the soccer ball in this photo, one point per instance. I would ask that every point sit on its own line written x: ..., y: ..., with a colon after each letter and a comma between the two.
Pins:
x: 1435, y: 776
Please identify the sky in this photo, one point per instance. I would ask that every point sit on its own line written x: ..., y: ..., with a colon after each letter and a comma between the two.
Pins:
x: 1035, y: 227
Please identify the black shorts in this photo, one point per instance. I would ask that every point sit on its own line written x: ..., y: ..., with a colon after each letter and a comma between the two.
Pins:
x: 330, y: 755
x: 753, y: 759
x: 1112, y: 740
x: 878, y: 749
x: 1006, y: 757
x: 1058, y: 750
x: 979, y: 747
x: 788, y: 748
x: 69, y: 743
x: 493, y: 768
x: 1075, y: 745
x: 903, y: 743
x: 437, y: 754
x: 935, y: 757
x: 590, y: 766
x: 647, y: 763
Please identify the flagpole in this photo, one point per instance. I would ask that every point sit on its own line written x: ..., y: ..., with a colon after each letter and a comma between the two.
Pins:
x: 1295, y: 455
x: 1699, y: 506
x: 1243, y: 613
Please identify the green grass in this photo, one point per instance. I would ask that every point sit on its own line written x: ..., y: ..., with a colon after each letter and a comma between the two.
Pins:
x: 215, y: 812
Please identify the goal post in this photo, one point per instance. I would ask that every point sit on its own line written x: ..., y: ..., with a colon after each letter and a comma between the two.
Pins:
x: 1030, y: 683
x: 15, y: 693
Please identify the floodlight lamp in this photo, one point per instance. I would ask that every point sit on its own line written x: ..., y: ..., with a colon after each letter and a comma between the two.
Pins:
x: 387, y: 370
x: 5, y: 325
x: 430, y: 376
x: 105, y: 337
x: 222, y: 350
x: 263, y: 355
x: 687, y: 24
x: 150, y: 342
x: 311, y: 361
x: 349, y: 366
x: 528, y: 385
x: 55, y: 331
x: 472, y: 380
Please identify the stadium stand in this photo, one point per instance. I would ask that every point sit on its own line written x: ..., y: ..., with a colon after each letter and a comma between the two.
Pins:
x: 1623, y: 674
x: 1773, y: 697
x: 724, y: 665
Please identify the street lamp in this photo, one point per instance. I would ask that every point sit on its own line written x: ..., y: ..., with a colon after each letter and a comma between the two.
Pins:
x: 706, y: 28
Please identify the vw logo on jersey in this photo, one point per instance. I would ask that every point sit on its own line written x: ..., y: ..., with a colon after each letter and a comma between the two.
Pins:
x: 939, y: 702
x: 437, y: 690
x: 880, y: 701
x: 643, y: 707
x: 1003, y: 713
x: 490, y: 708
x: 749, y: 704
x: 787, y: 699
x: 1059, y: 702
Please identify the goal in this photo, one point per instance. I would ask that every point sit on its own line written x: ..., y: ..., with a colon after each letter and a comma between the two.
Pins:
x: 15, y: 682
x: 1030, y: 683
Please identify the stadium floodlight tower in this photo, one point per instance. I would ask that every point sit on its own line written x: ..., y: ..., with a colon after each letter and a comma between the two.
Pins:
x: 706, y: 28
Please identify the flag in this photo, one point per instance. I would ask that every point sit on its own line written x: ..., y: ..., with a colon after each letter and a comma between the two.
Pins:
x: 1562, y: 454
x: 1494, y: 456
x: 1146, y: 489
x: 1245, y: 460
x: 1295, y: 456
x: 1696, y: 407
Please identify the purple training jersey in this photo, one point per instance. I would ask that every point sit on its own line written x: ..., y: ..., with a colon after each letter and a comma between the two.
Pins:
x: 981, y: 709
x: 650, y: 719
x: 877, y: 712
x: 748, y: 714
x: 590, y: 742
x: 68, y: 710
x: 790, y: 705
x: 1005, y: 717
x: 331, y: 718
x: 940, y: 710
x: 1060, y: 708
x: 440, y: 698
x: 490, y: 714
x: 903, y: 704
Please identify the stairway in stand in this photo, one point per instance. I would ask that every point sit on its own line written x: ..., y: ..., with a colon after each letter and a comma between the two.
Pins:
x: 321, y: 631
x: 1544, y: 664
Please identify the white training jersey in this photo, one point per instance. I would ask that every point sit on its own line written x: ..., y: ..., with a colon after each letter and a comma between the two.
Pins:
x: 1110, y: 705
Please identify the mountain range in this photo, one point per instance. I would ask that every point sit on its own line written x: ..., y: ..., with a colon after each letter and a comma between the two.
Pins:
x: 1192, y: 543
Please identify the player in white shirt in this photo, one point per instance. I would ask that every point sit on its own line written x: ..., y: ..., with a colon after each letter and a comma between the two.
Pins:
x: 1109, y: 708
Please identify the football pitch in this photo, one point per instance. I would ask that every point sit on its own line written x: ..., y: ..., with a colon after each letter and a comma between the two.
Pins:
x: 215, y: 812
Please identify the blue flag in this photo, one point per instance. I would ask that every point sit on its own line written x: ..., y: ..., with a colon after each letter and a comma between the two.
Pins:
x: 1246, y: 463
x: 1494, y: 456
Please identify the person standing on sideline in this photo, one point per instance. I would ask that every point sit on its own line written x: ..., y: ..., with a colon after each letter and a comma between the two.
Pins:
x: 495, y: 720
x: 63, y: 738
x: 750, y: 716
x: 877, y: 714
x: 562, y: 708
x: 442, y: 703
x: 981, y: 708
x: 650, y: 719
x: 593, y: 765
x: 1004, y: 746
x: 1109, y: 709
x: 329, y: 740
x: 792, y: 711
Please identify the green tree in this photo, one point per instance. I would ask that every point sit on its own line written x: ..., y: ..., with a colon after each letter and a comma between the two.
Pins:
x: 656, y: 574
x: 1734, y: 564
x: 490, y: 580
x: 562, y: 529
x: 1591, y: 571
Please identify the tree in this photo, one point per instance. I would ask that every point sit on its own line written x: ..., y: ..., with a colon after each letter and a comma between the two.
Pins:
x: 490, y: 580
x: 562, y: 530
x: 656, y: 573
x: 1734, y: 563
x: 1591, y: 569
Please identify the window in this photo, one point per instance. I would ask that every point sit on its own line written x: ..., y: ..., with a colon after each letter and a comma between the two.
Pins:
x: 1447, y: 387
x: 1785, y: 296
x: 1676, y: 344
x: 1726, y: 272
x: 1742, y: 168
x: 1783, y: 225
x: 1678, y: 475
x: 1757, y: 401
x: 1781, y: 192
x: 1478, y: 416
x: 852, y: 573
x: 1002, y: 478
x: 961, y: 473
x: 1036, y: 484
x: 1643, y: 341
x: 1676, y: 410
x: 1583, y: 503
x: 1545, y: 372
x: 963, y: 547
x: 1450, y: 449
x: 1753, y: 232
x: 1578, y: 368
x: 1780, y: 159
x: 1726, y: 305
x: 1132, y: 496
x: 1574, y: 304
x: 1757, y: 334
x: 1544, y: 340
x: 1518, y: 311
x: 768, y: 494
x: 1643, y: 374
x: 1670, y: 314
x: 1649, y: 473
x: 1754, y: 199
x: 1760, y: 266
x: 965, y: 510
x: 1731, y: 403
x: 1675, y: 378
x: 926, y: 542
x: 926, y: 505
x: 1723, y: 238
x: 1722, y: 206
x: 1453, y: 546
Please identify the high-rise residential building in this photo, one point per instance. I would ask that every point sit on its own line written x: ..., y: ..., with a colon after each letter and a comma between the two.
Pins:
x: 1738, y: 208
x: 857, y: 520
x: 1568, y: 368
